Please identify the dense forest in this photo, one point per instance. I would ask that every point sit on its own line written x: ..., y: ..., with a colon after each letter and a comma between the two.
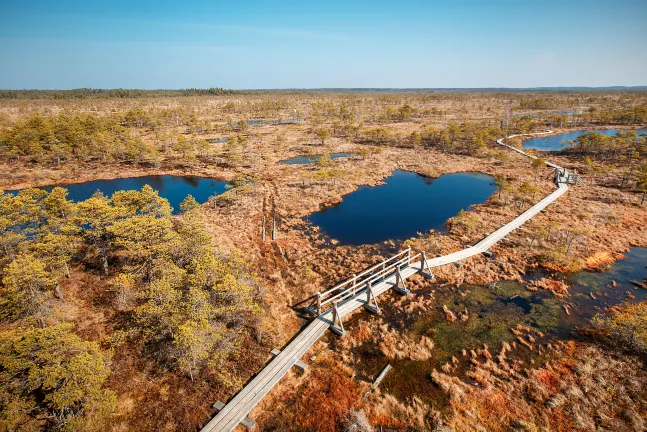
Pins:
x: 173, y: 296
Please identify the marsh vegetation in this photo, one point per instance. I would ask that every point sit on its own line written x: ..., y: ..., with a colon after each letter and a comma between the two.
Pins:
x: 144, y: 303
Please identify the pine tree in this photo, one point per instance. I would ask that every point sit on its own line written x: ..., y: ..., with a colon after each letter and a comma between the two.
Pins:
x: 188, y: 204
x: 52, y: 376
x: 26, y: 283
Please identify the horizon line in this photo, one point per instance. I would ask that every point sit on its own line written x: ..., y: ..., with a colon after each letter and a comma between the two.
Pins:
x: 575, y: 87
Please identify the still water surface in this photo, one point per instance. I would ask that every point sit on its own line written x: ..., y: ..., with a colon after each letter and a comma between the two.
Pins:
x: 408, y: 203
x: 493, y: 310
x: 561, y: 141
x: 173, y: 188
x: 313, y: 159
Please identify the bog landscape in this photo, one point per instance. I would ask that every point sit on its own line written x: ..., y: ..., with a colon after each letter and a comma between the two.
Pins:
x: 329, y: 259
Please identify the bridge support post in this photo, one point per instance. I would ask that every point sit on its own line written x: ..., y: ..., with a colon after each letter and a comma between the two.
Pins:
x: 370, y: 295
x: 424, y: 267
x: 336, y: 318
x: 400, y: 287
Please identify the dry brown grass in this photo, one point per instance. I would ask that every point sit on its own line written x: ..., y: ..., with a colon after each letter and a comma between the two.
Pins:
x: 148, y: 396
x: 321, y: 402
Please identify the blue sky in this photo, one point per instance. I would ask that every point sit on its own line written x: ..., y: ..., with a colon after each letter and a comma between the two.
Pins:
x: 247, y: 44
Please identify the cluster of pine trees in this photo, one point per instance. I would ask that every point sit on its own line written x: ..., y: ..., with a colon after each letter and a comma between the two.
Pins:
x: 624, y: 144
x: 468, y: 138
x: 111, y: 138
x: 626, y: 151
x: 176, y: 294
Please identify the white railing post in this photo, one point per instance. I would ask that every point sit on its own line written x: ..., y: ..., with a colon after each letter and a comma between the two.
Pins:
x: 354, y: 283
x: 400, y: 286
x: 370, y: 296
x: 424, y: 265
x: 336, y: 318
x: 409, y: 255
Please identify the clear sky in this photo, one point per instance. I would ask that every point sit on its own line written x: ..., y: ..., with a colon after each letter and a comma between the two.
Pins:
x: 62, y: 44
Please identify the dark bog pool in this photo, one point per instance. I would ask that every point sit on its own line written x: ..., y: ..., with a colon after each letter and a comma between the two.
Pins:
x: 494, y: 310
x: 312, y: 159
x: 408, y: 203
x: 173, y: 188
x: 561, y: 141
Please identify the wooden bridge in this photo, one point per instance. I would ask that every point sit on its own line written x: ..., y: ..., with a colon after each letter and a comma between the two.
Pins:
x: 362, y: 291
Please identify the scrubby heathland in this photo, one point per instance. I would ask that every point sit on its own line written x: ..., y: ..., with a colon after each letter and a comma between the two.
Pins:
x: 117, y: 313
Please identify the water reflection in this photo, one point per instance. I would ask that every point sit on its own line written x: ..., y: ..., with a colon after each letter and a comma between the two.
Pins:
x: 561, y: 141
x: 173, y: 188
x: 408, y: 203
x: 313, y: 159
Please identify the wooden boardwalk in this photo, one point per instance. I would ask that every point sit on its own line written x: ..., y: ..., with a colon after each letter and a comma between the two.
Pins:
x: 353, y: 294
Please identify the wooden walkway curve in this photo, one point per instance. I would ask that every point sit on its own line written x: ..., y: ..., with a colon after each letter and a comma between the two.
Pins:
x: 354, y: 295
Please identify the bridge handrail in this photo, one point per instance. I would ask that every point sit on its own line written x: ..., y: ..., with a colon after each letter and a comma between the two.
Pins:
x: 368, y: 270
x: 359, y: 284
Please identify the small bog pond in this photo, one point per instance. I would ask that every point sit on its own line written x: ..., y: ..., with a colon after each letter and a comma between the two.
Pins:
x: 561, y: 141
x: 493, y: 310
x: 173, y: 188
x: 313, y: 159
x: 408, y: 203
x: 272, y: 122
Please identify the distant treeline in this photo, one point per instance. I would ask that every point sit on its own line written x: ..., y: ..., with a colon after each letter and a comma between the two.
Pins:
x: 494, y: 90
x: 86, y: 93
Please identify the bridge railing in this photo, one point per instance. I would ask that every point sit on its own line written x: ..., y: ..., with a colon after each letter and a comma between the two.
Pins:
x: 350, y: 287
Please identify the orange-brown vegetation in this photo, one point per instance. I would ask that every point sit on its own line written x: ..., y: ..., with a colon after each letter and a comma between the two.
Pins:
x: 320, y: 403
x: 432, y: 134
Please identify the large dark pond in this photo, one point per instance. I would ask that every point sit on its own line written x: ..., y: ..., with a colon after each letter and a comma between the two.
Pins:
x: 406, y: 204
x: 173, y: 188
x: 313, y: 159
x: 561, y: 141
